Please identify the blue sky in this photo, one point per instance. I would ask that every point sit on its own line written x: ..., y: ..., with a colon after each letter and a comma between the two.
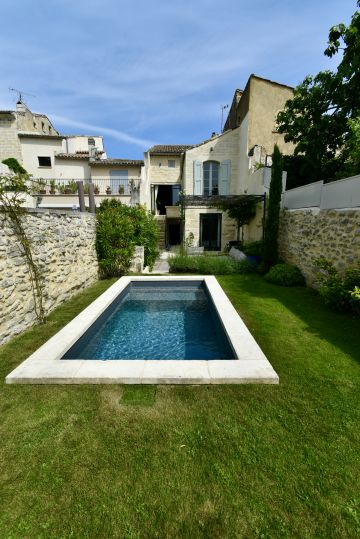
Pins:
x: 141, y: 72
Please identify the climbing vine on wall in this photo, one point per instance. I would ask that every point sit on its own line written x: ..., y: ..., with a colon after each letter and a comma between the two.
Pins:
x: 13, y: 190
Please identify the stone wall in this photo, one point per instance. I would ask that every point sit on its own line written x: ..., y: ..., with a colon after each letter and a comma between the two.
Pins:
x: 64, y: 247
x: 307, y: 234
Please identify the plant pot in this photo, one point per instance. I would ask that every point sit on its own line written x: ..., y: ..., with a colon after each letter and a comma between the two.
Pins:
x: 42, y: 191
x: 52, y: 192
x: 121, y: 190
x: 96, y: 191
x: 68, y: 191
x: 108, y: 191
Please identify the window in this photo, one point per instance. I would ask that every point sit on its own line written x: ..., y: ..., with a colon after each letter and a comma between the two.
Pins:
x: 43, y: 126
x: 171, y: 163
x: 91, y: 143
x: 44, y: 161
x: 211, y: 178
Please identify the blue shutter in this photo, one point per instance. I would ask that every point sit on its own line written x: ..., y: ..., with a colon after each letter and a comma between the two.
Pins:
x: 224, y: 178
x: 198, y: 178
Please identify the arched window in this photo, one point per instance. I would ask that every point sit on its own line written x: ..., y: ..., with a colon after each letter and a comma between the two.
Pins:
x: 211, y: 178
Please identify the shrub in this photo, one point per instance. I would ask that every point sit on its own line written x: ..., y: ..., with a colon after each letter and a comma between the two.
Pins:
x: 337, y: 291
x: 118, y: 229
x: 208, y: 265
x: 253, y: 248
x: 285, y: 275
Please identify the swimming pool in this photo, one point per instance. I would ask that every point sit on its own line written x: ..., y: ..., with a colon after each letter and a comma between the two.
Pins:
x: 100, y: 346
x: 156, y: 320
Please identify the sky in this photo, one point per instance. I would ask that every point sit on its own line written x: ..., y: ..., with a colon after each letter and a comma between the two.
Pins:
x: 143, y: 72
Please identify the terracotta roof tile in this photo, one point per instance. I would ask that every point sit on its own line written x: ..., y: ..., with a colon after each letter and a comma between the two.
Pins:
x: 116, y: 162
x: 169, y: 149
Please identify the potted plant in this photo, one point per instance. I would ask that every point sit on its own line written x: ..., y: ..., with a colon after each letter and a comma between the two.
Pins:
x: 121, y: 189
x: 42, y: 187
x: 96, y: 189
x: 70, y: 188
x: 52, y: 187
x: 108, y: 190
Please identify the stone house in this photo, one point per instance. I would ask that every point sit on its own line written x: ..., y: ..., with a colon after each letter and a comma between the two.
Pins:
x: 234, y: 162
x: 60, y: 159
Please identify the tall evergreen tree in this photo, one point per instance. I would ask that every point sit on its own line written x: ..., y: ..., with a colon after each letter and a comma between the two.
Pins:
x: 270, y: 248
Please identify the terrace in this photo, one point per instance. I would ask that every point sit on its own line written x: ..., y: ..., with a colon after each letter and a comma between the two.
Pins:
x: 63, y: 192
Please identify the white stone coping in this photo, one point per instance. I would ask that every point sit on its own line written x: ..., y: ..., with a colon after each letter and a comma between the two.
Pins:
x: 45, y: 366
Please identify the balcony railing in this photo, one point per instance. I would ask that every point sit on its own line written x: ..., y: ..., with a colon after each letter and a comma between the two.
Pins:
x: 102, y: 186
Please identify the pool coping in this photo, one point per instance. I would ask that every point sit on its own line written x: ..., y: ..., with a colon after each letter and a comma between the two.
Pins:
x: 45, y: 365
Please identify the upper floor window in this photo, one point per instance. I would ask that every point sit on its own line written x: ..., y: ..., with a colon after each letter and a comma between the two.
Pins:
x: 171, y: 163
x: 44, y: 161
x: 212, y: 178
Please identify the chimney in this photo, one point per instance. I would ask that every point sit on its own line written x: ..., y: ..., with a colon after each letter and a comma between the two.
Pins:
x: 21, y: 107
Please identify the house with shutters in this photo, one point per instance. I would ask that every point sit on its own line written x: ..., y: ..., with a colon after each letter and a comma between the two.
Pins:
x: 234, y: 162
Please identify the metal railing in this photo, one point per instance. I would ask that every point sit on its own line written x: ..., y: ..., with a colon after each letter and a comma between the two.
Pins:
x: 68, y: 186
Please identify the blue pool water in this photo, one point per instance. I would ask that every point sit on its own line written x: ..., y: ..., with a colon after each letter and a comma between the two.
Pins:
x: 156, y: 321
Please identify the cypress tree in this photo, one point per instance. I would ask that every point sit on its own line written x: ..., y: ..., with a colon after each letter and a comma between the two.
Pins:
x: 270, y: 248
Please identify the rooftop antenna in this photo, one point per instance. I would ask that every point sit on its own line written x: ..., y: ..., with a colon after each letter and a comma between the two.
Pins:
x: 222, y: 108
x: 20, y: 94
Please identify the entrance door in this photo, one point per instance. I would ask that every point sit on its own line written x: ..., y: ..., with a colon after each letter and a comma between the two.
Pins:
x: 210, y: 231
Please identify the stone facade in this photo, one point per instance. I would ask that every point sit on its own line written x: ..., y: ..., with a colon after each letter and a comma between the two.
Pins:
x: 64, y: 248
x: 308, y: 234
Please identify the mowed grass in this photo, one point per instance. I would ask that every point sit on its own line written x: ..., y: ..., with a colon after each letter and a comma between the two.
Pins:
x: 172, y: 461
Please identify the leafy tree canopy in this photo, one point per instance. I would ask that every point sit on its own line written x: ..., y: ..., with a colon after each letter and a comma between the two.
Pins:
x: 318, y: 120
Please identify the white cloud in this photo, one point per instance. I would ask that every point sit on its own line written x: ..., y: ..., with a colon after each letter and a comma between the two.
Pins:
x: 97, y: 129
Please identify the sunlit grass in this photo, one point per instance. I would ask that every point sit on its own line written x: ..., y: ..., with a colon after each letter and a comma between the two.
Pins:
x: 192, y: 461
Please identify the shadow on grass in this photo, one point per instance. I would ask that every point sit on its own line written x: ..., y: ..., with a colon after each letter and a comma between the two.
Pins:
x: 340, y: 329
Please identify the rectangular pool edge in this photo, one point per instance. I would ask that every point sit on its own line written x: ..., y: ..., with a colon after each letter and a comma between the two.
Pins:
x: 44, y: 366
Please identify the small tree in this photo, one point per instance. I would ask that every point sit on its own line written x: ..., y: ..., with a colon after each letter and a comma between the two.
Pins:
x: 241, y: 210
x: 270, y: 248
x: 119, y: 228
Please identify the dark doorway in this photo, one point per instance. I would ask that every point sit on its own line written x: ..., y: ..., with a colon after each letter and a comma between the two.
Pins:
x: 210, y: 231
x: 167, y: 195
x: 173, y: 237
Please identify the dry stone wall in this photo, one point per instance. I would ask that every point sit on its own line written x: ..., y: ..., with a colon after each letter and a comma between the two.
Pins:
x: 64, y: 248
x: 307, y: 234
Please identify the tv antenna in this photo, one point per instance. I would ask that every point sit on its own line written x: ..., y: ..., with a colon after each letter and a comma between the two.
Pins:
x: 222, y: 108
x: 20, y: 94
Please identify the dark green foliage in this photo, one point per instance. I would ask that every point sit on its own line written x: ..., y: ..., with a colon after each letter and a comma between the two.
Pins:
x: 285, y: 275
x: 318, y: 120
x: 270, y: 248
x: 14, y: 165
x: 118, y: 229
x: 252, y: 248
x: 336, y: 289
x: 209, y: 265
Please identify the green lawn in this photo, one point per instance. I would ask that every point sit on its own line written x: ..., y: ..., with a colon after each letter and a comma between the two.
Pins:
x: 212, y: 462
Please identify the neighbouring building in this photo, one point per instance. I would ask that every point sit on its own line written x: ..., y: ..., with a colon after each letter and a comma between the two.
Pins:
x: 58, y: 161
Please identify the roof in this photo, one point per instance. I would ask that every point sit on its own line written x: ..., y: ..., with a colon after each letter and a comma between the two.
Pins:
x: 253, y: 76
x: 39, y: 135
x: 7, y: 112
x: 169, y: 149
x: 83, y: 155
x: 116, y: 162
